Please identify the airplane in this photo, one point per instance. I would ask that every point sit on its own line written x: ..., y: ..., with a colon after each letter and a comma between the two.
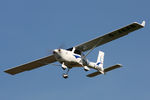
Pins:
x: 74, y: 57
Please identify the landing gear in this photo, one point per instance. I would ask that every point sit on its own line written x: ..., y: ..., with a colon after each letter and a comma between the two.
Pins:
x: 86, y: 68
x: 65, y: 75
x: 64, y: 66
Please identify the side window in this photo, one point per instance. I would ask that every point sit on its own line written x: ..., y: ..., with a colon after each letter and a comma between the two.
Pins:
x: 77, y: 52
x: 70, y: 49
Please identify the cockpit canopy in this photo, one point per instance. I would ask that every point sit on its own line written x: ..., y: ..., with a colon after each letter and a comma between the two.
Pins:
x: 76, y: 51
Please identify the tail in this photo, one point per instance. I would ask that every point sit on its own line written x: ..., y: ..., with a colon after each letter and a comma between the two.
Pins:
x: 100, y: 62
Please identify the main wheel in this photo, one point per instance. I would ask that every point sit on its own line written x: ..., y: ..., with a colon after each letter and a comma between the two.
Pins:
x: 86, y: 70
x: 65, y: 76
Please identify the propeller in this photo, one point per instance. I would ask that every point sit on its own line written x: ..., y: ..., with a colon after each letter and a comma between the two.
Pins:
x: 62, y: 46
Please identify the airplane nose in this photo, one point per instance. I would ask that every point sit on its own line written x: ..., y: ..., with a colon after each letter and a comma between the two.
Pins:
x: 57, y: 51
x: 54, y: 52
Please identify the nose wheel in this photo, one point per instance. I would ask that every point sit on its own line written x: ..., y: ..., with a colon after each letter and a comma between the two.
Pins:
x: 65, y: 75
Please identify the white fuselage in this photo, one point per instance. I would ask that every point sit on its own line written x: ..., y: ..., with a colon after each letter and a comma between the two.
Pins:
x: 71, y: 59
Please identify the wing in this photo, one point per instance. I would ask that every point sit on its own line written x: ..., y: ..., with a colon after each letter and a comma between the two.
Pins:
x: 105, y: 70
x: 31, y: 65
x: 110, y: 36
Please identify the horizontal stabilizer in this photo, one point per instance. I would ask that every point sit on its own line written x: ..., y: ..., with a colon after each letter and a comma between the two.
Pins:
x: 105, y: 70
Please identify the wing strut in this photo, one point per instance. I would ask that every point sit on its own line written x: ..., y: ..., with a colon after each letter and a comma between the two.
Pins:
x: 92, y: 48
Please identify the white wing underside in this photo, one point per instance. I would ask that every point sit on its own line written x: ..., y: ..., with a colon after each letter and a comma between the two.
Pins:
x: 82, y: 47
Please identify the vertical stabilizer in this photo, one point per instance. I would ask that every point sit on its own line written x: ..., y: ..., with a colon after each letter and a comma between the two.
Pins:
x: 100, y: 61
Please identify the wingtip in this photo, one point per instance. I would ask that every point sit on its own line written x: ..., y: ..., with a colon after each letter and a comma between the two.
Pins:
x: 120, y: 65
x: 143, y: 23
x: 8, y: 72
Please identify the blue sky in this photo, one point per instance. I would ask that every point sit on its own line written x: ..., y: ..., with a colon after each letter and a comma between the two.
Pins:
x: 29, y: 29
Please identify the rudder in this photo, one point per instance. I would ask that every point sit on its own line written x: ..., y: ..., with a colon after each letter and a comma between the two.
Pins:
x: 100, y: 60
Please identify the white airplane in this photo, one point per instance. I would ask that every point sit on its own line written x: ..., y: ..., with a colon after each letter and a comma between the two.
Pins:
x: 74, y: 57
